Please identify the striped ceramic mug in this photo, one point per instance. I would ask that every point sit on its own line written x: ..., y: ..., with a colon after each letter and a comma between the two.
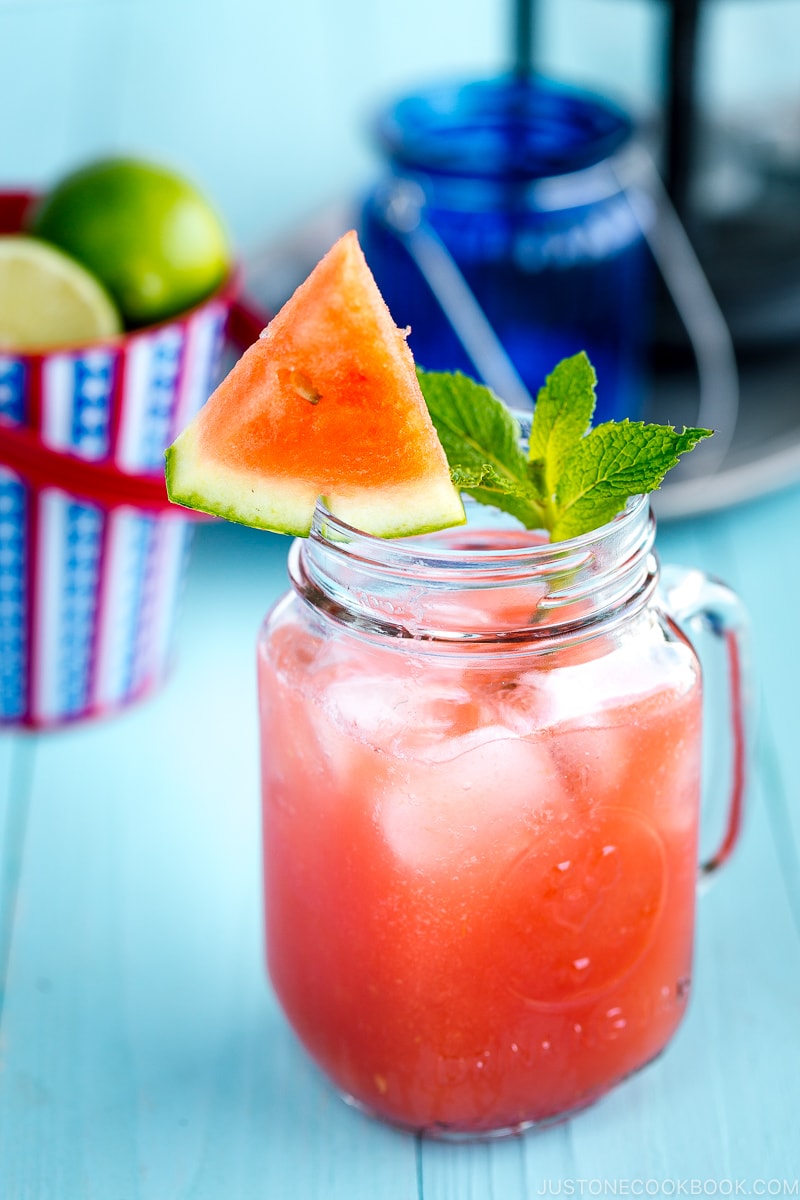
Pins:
x: 91, y: 555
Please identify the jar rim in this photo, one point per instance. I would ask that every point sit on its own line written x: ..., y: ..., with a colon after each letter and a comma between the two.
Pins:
x: 403, y: 588
x: 502, y: 128
x: 580, y: 583
x: 422, y: 553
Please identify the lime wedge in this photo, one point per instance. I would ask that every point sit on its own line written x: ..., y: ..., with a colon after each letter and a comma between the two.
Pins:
x: 47, y: 299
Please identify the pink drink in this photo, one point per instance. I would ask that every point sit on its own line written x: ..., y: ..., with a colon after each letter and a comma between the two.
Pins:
x: 480, y: 858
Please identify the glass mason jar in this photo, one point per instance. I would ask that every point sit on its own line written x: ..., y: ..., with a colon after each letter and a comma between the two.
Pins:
x: 503, y: 234
x: 481, y: 787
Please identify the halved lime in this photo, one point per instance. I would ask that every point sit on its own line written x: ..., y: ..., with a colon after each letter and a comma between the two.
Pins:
x: 47, y: 299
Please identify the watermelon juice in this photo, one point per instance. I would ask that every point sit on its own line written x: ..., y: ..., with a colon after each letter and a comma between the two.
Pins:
x: 481, y: 780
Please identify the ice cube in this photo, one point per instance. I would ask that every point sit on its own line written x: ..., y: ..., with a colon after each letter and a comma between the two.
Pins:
x: 522, y: 704
x: 596, y: 761
x: 475, y: 798
x: 644, y: 755
x: 395, y: 703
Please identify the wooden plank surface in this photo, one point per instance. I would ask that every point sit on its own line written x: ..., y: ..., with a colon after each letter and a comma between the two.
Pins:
x: 141, y: 1052
x: 17, y: 759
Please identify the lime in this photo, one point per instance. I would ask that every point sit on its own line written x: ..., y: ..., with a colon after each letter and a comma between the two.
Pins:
x: 47, y: 299
x: 147, y: 233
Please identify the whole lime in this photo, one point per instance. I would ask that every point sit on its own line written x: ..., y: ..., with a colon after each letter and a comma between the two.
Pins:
x: 143, y: 230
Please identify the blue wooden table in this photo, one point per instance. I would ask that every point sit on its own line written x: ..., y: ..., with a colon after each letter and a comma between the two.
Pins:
x: 142, y: 1055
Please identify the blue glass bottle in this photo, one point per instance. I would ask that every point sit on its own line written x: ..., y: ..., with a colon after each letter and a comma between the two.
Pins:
x: 513, y: 188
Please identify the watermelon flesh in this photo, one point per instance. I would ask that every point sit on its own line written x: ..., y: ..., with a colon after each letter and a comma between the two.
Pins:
x: 325, y: 405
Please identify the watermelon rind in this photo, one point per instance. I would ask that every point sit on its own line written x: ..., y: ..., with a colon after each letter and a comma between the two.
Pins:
x: 285, y: 505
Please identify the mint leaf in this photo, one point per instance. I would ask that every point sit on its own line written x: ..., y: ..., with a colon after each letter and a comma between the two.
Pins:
x: 572, y: 481
x: 612, y: 463
x: 563, y: 413
x: 481, y: 439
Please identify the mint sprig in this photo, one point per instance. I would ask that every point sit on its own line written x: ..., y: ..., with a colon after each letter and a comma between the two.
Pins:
x: 575, y: 478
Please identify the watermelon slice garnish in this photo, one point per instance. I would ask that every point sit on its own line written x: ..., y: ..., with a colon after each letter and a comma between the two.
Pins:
x: 325, y: 405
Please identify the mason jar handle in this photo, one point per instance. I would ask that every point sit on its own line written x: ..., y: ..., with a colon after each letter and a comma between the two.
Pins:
x: 703, y: 604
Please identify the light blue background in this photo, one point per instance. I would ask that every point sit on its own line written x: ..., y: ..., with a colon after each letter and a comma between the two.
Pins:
x: 266, y: 103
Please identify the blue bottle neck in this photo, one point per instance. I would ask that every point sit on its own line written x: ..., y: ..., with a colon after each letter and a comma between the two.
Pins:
x: 502, y: 131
